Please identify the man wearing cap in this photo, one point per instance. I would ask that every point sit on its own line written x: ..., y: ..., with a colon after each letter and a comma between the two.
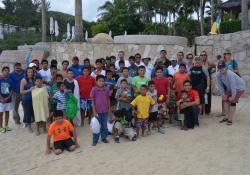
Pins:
x: 16, y: 76
x: 148, y: 66
x: 174, y: 67
x: 76, y: 68
x: 121, y: 56
x: 235, y: 87
x: 34, y: 68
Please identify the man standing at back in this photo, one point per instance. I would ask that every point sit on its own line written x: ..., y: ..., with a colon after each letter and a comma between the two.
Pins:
x: 16, y: 76
x: 163, y: 58
x: 76, y: 68
x: 121, y: 57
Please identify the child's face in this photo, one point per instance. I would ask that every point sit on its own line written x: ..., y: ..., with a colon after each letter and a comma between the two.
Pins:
x: 152, y: 87
x: 100, y: 82
x: 109, y: 75
x: 59, y: 120
x: 86, y: 63
x: 59, y: 79
x: 61, y: 88
x: 159, y: 73
x: 45, y: 65
x: 182, y: 69
x: 65, y: 65
x: 124, y: 85
x: 170, y: 79
x: 98, y: 65
x: 6, y: 72
x: 125, y: 72
x: 141, y: 72
x: 143, y: 91
x: 85, y: 72
x: 184, y: 96
x: 172, y: 93
x: 112, y: 68
x: 121, y: 66
x: 39, y: 82
x: 70, y: 74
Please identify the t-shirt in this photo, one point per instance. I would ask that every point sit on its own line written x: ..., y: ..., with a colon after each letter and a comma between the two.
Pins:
x: 198, y: 78
x: 193, y: 95
x: 16, y: 79
x: 101, y: 99
x: 85, y: 86
x: 94, y: 73
x: 69, y: 85
x: 110, y: 83
x: 5, y: 85
x: 179, y: 79
x: 143, y: 104
x: 172, y: 70
x: 232, y: 65
x: 161, y: 85
x: 46, y: 75
x: 117, y: 64
x: 149, y: 69
x: 153, y: 94
x: 61, y: 100
x: 133, y: 71
x: 60, y: 131
x: 129, y: 80
x: 137, y: 82
x: 77, y: 70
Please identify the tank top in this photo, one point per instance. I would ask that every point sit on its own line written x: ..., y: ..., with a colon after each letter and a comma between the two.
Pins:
x: 28, y: 95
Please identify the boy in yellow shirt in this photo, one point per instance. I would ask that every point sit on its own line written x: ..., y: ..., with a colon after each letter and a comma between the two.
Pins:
x: 142, y: 103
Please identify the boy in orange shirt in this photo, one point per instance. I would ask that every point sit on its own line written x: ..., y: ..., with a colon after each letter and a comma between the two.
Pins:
x: 60, y: 130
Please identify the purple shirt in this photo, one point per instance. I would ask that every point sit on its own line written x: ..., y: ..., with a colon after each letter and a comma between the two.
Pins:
x: 101, y: 99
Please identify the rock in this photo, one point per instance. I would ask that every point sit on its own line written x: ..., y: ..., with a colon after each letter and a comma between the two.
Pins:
x: 102, y: 38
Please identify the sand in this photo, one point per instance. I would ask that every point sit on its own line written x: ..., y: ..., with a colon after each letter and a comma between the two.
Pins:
x: 213, y: 148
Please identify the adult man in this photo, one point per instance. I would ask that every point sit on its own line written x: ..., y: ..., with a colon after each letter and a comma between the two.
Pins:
x: 163, y: 58
x: 180, y: 58
x: 138, y: 61
x: 235, y: 87
x: 16, y: 76
x: 149, y: 67
x: 174, y: 67
x: 139, y: 80
x: 76, y: 68
x: 45, y: 72
x: 132, y: 69
x: 121, y: 56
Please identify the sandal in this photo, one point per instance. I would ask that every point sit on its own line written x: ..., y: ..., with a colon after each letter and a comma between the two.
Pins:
x: 223, y: 120
x: 229, y: 123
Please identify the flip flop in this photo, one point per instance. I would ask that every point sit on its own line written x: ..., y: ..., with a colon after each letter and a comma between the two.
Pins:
x: 229, y: 123
x: 223, y: 120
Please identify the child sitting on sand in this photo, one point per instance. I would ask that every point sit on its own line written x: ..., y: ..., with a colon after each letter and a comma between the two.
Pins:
x: 121, y: 126
x: 60, y: 131
x: 172, y: 105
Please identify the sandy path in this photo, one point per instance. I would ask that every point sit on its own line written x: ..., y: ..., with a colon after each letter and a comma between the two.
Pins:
x: 211, y: 149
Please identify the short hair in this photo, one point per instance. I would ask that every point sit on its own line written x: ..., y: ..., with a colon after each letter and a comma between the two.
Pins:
x: 183, y: 91
x: 150, y: 83
x: 75, y: 58
x: 163, y: 51
x: 53, y: 66
x: 124, y: 80
x: 108, y: 71
x: 131, y: 58
x: 141, y: 67
x: 137, y: 54
x: 5, y: 67
x: 98, y: 61
x: 108, y: 58
x: 59, y: 84
x: 86, y: 59
x: 121, y: 62
x: 59, y: 75
x: 183, y: 65
x: 144, y: 86
x: 187, y: 81
x: 121, y: 51
x: 111, y: 65
x: 169, y: 75
x: 218, y: 57
x: 112, y: 57
x: 38, y: 78
x: 125, y: 68
x: 181, y: 52
x: 87, y: 67
x: 119, y: 114
x: 158, y: 68
x: 53, y: 61
x: 58, y: 113
x: 98, y: 77
x: 45, y: 61
x: 69, y: 70
x: 65, y: 61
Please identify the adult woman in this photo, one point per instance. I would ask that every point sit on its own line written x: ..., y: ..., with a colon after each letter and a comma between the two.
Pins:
x: 231, y: 64
x: 26, y: 86
x: 190, y: 63
x: 65, y: 65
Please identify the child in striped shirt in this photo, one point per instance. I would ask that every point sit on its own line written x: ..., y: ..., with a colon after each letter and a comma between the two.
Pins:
x: 60, y: 97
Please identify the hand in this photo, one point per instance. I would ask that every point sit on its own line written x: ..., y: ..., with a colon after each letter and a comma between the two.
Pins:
x: 48, y: 151
x: 207, y: 90
x: 230, y: 99
x: 33, y: 87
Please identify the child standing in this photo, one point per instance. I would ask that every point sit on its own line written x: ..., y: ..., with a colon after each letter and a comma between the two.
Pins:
x: 172, y: 105
x: 40, y: 98
x: 181, y: 115
x: 5, y: 99
x: 101, y: 106
x: 143, y: 103
x: 60, y: 130
x: 153, y: 115
x: 60, y: 97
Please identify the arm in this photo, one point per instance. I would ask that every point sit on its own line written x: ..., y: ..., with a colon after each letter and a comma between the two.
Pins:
x: 93, y: 107
x: 232, y: 85
x: 75, y: 138
x: 189, y: 104
x: 220, y: 85
x: 48, y: 150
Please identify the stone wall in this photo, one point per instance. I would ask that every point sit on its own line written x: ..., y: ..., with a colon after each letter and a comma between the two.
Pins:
x: 238, y: 43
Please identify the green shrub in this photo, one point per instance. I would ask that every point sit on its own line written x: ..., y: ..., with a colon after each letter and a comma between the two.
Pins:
x: 99, y: 28
x: 230, y: 26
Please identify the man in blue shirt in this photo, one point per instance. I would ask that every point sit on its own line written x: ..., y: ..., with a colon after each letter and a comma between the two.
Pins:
x: 16, y: 76
x: 76, y: 68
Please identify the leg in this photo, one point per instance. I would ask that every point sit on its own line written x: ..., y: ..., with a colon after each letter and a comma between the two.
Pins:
x: 1, y: 119
x: 57, y: 151
x: 7, y: 114
x: 82, y: 117
x: 37, y: 128
x: 103, y: 122
x: 95, y: 139
x: 16, y: 100
x: 232, y: 112
x: 143, y: 130
x: 44, y: 127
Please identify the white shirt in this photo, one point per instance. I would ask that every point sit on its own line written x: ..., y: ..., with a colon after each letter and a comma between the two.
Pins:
x: 172, y: 70
x: 94, y: 75
x: 149, y: 69
x: 117, y: 64
x: 46, y: 75
x: 141, y: 64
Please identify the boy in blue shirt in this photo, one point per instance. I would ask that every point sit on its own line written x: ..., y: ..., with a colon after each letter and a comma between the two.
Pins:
x: 5, y: 98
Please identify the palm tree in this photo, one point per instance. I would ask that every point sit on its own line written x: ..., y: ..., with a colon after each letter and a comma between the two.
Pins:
x: 44, y: 27
x: 244, y: 14
x: 78, y: 21
x: 202, y: 16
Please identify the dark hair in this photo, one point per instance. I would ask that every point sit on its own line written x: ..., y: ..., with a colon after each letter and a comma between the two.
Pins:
x: 111, y: 65
x: 108, y: 58
x: 150, y: 83
x: 121, y: 62
x: 45, y: 61
x: 169, y: 75
x: 69, y: 70
x: 5, y: 67
x: 108, y: 71
x: 39, y: 78
x: 98, y: 61
x: 26, y: 74
x: 218, y: 57
x: 182, y: 65
x: 187, y: 81
x: 144, y: 86
x: 53, y: 62
x: 100, y: 77
x: 158, y: 68
x: 141, y: 67
x: 59, y: 75
x: 75, y: 58
x: 131, y: 58
x: 65, y: 61
x: 58, y: 113
x: 86, y: 59
x: 112, y: 57
x: 102, y: 59
x: 119, y: 114
x: 181, y: 52
x: 125, y: 68
x: 59, y: 84
x: 183, y: 91
x: 124, y: 80
x: 163, y: 51
x: 53, y: 66
x: 137, y: 54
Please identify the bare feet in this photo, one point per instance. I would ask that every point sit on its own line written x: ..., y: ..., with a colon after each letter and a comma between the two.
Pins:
x: 30, y: 129
x: 38, y: 133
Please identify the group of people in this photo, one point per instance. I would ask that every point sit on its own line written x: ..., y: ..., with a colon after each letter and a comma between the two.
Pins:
x: 118, y: 96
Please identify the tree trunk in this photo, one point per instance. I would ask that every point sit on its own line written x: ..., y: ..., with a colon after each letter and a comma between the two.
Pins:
x: 212, y: 11
x: 202, y: 17
x: 244, y: 14
x: 78, y: 21
x: 44, y: 26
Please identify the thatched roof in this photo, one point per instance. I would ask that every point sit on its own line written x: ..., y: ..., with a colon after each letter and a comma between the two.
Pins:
x: 232, y: 4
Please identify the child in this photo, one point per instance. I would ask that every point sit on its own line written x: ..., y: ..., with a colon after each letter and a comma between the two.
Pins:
x: 40, y: 98
x: 99, y: 70
x: 171, y: 80
x: 123, y: 96
x: 122, y: 126
x: 60, y: 131
x: 153, y: 115
x: 86, y: 83
x: 101, y: 106
x: 5, y: 99
x: 181, y: 116
x: 172, y: 105
x: 143, y: 103
x: 111, y: 84
x: 60, y: 97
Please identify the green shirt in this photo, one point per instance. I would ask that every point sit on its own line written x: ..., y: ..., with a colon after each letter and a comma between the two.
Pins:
x: 137, y: 82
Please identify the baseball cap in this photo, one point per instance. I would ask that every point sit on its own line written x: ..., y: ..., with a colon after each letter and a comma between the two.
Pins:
x: 146, y: 58
x: 221, y: 64
x: 17, y: 63
x: 32, y: 65
x: 173, y: 58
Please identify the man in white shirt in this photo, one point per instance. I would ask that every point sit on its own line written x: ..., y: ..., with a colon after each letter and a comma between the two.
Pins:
x: 138, y: 61
x: 174, y: 67
x: 148, y: 66
x: 121, y: 56
x: 45, y: 72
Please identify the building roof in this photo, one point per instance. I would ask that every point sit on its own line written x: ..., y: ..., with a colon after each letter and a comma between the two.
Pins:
x: 232, y: 4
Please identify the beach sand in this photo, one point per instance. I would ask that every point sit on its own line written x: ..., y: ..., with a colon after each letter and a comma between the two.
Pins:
x: 213, y: 148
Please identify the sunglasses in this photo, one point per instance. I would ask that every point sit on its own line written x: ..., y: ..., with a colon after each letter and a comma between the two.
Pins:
x: 203, y: 55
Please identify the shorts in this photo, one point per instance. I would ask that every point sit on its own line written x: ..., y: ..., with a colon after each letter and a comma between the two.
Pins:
x: 6, y: 107
x: 153, y: 117
x: 172, y: 109
x: 63, y: 144
x: 237, y: 97
x: 162, y: 108
x: 141, y: 123
x: 181, y: 117
x: 85, y: 104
